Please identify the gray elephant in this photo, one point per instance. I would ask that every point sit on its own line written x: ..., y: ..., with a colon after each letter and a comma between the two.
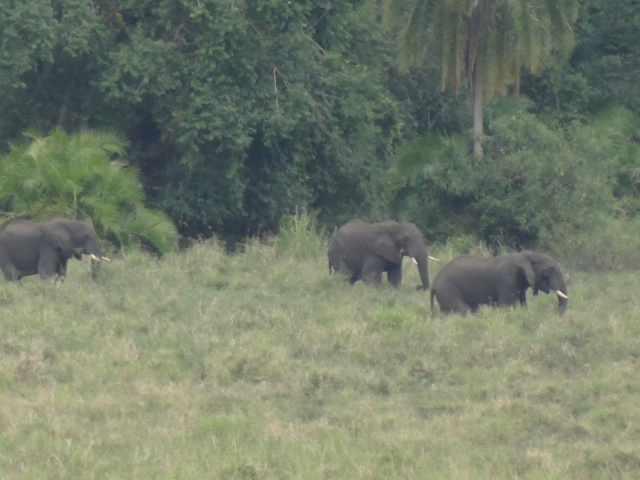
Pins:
x: 467, y: 282
x: 30, y: 248
x: 363, y: 251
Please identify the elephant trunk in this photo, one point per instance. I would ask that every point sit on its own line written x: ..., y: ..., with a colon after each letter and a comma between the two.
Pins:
x: 421, y: 258
x: 561, y: 291
x: 94, y: 250
x: 562, y: 305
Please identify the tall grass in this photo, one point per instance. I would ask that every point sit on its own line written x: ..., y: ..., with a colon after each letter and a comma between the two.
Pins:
x: 298, y: 236
x: 259, y: 365
x: 607, y: 243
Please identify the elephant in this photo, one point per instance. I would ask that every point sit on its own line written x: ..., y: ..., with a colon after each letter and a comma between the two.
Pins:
x: 30, y: 248
x: 363, y: 251
x: 467, y: 282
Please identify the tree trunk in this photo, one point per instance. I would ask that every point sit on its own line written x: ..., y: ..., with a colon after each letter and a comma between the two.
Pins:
x: 478, y: 100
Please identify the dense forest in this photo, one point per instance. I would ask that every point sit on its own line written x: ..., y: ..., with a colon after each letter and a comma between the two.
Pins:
x: 235, y: 113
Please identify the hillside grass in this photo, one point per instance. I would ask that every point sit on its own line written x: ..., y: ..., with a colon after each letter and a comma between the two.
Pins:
x: 259, y: 365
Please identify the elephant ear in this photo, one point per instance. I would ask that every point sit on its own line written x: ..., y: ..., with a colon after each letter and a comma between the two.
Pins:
x: 60, y: 240
x: 384, y: 246
x: 526, y: 267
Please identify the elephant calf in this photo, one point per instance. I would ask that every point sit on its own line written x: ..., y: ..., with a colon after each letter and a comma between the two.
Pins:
x: 363, y: 251
x: 30, y: 248
x: 467, y: 282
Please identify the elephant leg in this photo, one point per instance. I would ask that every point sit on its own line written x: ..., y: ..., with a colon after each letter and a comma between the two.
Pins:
x: 48, y: 264
x: 523, y: 297
x: 452, y: 301
x: 394, y: 274
x: 11, y: 273
x: 508, y: 296
x: 340, y: 267
x: 372, y: 269
x: 61, y: 269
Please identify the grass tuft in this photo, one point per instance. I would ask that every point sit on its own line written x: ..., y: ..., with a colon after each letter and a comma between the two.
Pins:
x: 298, y: 236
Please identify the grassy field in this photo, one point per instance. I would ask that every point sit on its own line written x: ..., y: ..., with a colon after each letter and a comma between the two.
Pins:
x: 259, y: 365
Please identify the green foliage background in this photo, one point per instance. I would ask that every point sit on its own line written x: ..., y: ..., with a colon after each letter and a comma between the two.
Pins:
x: 536, y: 187
x: 239, y: 113
x: 82, y: 176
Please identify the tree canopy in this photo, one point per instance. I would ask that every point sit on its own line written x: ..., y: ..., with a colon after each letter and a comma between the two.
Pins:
x: 237, y: 113
x: 485, y: 42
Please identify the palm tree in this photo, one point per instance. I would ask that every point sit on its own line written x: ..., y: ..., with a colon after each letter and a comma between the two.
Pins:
x: 485, y: 42
x: 81, y: 176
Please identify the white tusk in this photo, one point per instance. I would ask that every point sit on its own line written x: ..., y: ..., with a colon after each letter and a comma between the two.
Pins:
x: 93, y: 257
x: 106, y: 259
x: 433, y: 259
x: 561, y: 295
x: 414, y: 260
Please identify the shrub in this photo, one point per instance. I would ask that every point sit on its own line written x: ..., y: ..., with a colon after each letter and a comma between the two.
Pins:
x: 82, y: 176
x: 298, y: 236
x: 535, y: 186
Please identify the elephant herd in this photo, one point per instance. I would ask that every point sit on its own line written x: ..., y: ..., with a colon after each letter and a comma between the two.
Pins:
x: 359, y: 250
x: 364, y: 251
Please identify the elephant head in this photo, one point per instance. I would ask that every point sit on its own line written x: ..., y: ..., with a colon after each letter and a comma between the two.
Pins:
x: 543, y: 274
x: 71, y: 238
x: 404, y: 239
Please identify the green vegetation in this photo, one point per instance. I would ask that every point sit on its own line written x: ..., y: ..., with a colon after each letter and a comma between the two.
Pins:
x: 82, y: 176
x: 224, y: 119
x: 259, y: 365
x: 485, y: 43
x: 537, y: 187
x: 237, y: 113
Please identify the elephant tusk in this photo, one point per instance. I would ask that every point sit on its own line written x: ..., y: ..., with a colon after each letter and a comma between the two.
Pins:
x: 561, y: 295
x: 93, y: 257
x: 433, y: 259
x: 106, y: 259
x: 414, y: 260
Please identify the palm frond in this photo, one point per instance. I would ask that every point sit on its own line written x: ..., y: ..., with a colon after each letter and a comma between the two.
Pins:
x: 506, y: 35
x: 155, y: 229
x: 561, y: 15
x: 81, y: 176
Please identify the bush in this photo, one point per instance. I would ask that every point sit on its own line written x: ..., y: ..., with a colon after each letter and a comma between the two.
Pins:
x: 82, y: 176
x: 535, y: 186
x: 298, y: 236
